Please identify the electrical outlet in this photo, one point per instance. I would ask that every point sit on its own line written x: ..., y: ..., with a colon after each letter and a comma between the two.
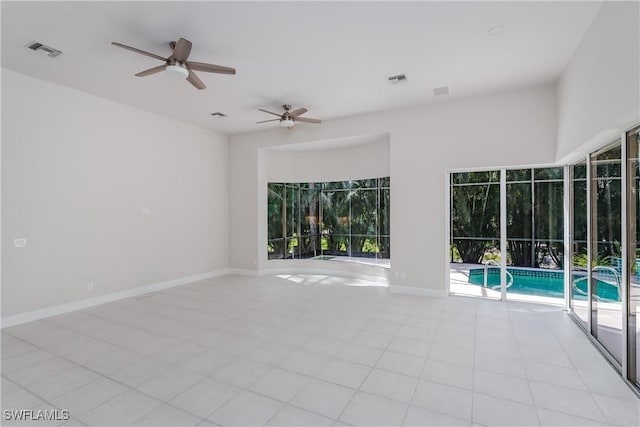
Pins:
x: 19, y: 242
x: 90, y: 286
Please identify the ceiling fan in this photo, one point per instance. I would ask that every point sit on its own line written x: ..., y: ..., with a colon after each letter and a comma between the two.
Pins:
x: 177, y: 64
x: 289, y: 118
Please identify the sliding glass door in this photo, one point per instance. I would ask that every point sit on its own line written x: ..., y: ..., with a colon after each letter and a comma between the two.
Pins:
x: 606, y: 248
x: 633, y: 239
x: 579, y: 282
x: 475, y: 233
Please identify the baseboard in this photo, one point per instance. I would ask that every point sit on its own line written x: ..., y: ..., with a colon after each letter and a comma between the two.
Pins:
x: 243, y: 272
x: 91, y: 302
x: 412, y: 290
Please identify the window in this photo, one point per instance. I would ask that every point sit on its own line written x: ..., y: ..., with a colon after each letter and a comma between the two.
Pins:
x: 342, y: 220
x: 533, y: 243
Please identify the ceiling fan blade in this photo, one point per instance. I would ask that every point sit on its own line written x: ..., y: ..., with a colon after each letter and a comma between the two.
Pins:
x: 269, y: 112
x: 150, y: 71
x: 271, y: 120
x: 142, y: 52
x: 210, y: 68
x: 296, y: 113
x: 307, y: 120
x: 182, y: 50
x: 195, y: 81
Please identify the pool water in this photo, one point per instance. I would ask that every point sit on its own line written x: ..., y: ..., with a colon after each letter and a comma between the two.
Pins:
x: 545, y: 283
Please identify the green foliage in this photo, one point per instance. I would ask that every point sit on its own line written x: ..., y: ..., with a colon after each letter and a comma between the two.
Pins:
x: 336, y: 218
x: 534, y: 216
x: 580, y: 260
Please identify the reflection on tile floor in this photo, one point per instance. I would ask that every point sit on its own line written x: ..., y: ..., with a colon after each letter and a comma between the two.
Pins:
x: 310, y: 350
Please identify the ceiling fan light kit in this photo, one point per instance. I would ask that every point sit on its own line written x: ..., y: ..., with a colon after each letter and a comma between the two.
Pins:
x: 177, y: 71
x: 287, y: 123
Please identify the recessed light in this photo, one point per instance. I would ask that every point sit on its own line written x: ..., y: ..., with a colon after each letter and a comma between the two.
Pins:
x: 496, y: 30
x: 218, y: 114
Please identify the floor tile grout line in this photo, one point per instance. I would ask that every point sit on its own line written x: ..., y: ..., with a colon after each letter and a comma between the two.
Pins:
x: 314, y: 377
x: 128, y: 388
x: 86, y: 335
x: 420, y: 378
x: 334, y: 357
x: 365, y: 379
x: 473, y: 363
x: 407, y: 314
x: 526, y: 373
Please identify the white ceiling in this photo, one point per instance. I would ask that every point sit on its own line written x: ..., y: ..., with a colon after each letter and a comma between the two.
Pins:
x: 331, y: 57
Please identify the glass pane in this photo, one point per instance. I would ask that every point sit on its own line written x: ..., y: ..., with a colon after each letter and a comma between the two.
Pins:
x: 519, y: 175
x: 336, y: 244
x: 633, y: 285
x: 579, y: 171
x: 337, y: 185
x: 384, y: 219
x: 384, y: 247
x: 548, y: 173
x: 364, y: 213
x: 275, y: 210
x: 519, y: 212
x: 364, y: 246
x: 476, y: 177
x: 292, y: 193
x: 292, y: 248
x: 275, y: 221
x: 535, y: 232
x: 364, y: 183
x: 579, y: 255
x: 475, y: 230
x: 385, y: 182
x: 325, y: 220
x: 606, y: 187
x: 275, y: 249
x: 476, y: 211
x: 310, y: 221
x: 335, y: 212
x: 549, y: 224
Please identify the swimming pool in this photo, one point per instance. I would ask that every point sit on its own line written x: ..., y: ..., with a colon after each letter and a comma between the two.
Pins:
x: 546, y: 283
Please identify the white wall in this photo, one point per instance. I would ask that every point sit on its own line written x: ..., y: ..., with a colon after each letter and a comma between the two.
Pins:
x: 599, y: 92
x: 515, y: 128
x: 77, y: 171
x: 369, y: 158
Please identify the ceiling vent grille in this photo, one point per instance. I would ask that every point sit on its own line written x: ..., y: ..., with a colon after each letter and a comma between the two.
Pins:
x: 36, y: 46
x: 400, y: 78
x: 439, y: 91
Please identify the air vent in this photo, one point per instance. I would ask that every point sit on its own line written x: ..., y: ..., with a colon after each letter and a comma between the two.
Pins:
x: 439, y: 91
x: 400, y: 78
x: 218, y: 114
x: 36, y: 46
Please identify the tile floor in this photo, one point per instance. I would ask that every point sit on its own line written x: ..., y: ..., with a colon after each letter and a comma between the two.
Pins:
x: 311, y: 350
